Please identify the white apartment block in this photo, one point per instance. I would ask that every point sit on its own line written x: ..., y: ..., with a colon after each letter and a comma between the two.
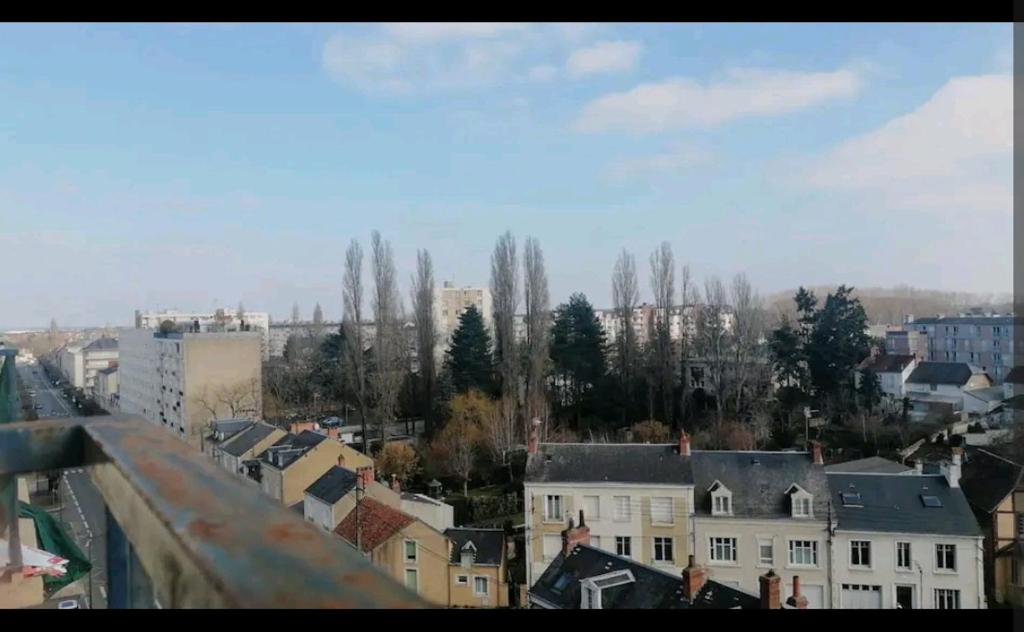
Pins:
x: 984, y: 341
x: 682, y: 322
x: 279, y: 333
x: 451, y: 301
x: 217, y: 320
x: 80, y: 363
x: 182, y: 381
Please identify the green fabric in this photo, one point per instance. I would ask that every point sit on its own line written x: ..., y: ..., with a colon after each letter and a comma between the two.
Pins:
x: 53, y: 539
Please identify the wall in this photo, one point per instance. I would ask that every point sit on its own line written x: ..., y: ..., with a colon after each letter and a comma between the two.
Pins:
x: 214, y: 364
x: 439, y: 515
x: 318, y: 512
x: 431, y: 560
x: 304, y: 471
x: 464, y: 596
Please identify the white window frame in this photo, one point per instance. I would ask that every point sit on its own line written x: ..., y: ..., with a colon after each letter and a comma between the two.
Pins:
x: 940, y: 595
x: 798, y: 499
x: 462, y: 580
x: 487, y: 586
x: 768, y: 542
x: 659, y: 542
x: 791, y: 549
x: 860, y: 546
x: 671, y: 509
x: 592, y: 516
x: 549, y: 501
x: 943, y: 569
x: 910, y: 556
x: 618, y: 515
x: 628, y: 541
x: 415, y: 551
x: 726, y: 543
x: 416, y: 576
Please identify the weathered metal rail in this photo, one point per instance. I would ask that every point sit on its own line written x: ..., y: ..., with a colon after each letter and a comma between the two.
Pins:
x: 204, y: 538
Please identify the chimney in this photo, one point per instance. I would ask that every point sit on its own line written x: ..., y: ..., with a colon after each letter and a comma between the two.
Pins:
x: 816, y: 453
x: 395, y: 485
x: 693, y: 579
x: 797, y: 600
x: 918, y: 467
x: 770, y: 585
x: 953, y: 471
x: 534, y: 441
x: 575, y: 535
x: 684, y: 443
x: 365, y: 476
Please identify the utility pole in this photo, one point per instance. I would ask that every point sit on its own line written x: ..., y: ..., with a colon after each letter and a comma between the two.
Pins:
x: 359, y: 521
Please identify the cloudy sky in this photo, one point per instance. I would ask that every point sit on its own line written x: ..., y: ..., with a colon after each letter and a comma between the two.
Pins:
x: 193, y: 166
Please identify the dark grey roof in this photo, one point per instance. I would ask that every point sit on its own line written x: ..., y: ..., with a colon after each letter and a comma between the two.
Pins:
x: 489, y: 544
x: 102, y: 344
x: 230, y: 427
x: 615, y: 462
x: 108, y: 370
x: 759, y: 481
x: 651, y: 588
x: 956, y: 373
x: 872, y: 464
x: 334, y: 485
x: 292, y: 447
x: 989, y: 394
x: 245, y: 440
x: 892, y: 503
x: 988, y: 478
x: 965, y: 320
x: 1015, y: 376
x: 889, y: 363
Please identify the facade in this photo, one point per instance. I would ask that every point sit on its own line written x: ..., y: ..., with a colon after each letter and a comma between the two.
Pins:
x: 682, y: 321
x: 332, y: 496
x: 451, y: 301
x: 936, y: 386
x: 105, y: 389
x: 80, y: 363
x: 294, y: 462
x: 907, y: 342
x: 893, y: 371
x: 908, y: 542
x: 216, y: 321
x: 183, y: 381
x: 985, y: 341
x: 279, y: 333
x: 248, y: 444
x: 477, y: 568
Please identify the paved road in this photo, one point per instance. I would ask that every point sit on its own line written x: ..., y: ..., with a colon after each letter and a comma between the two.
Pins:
x: 81, y: 506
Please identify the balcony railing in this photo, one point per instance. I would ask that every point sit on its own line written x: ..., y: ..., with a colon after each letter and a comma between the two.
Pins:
x: 201, y: 536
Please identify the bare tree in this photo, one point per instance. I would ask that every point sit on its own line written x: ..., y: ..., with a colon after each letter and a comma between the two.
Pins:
x: 537, y: 300
x: 295, y: 313
x: 389, y: 341
x: 505, y: 298
x: 426, y: 333
x: 746, y: 334
x: 688, y: 300
x: 499, y: 431
x: 625, y: 296
x: 712, y: 338
x: 354, y: 363
x: 663, y: 286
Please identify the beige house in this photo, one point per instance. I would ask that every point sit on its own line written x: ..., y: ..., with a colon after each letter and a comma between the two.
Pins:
x: 402, y: 546
x: 477, y: 568
x: 289, y: 466
x: 332, y: 496
x: 246, y: 445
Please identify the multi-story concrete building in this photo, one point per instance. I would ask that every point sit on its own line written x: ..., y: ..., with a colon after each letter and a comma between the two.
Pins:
x: 280, y: 333
x: 682, y: 322
x: 985, y: 341
x: 219, y: 320
x: 80, y: 362
x: 105, y: 390
x: 906, y: 342
x: 183, y: 381
x: 451, y: 301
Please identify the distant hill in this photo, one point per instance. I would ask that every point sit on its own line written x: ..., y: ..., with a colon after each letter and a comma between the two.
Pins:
x: 892, y: 305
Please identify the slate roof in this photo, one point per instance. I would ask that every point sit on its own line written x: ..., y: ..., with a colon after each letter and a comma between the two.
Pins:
x: 489, y: 543
x: 245, y: 440
x: 1015, y: 376
x: 108, y: 370
x: 872, y: 464
x: 758, y: 481
x: 955, y: 373
x: 987, y: 478
x: 894, y: 363
x: 990, y: 394
x: 892, y: 503
x: 101, y: 344
x: 651, y: 588
x: 294, y: 446
x: 613, y: 462
x: 230, y: 427
x: 334, y: 485
x: 379, y: 524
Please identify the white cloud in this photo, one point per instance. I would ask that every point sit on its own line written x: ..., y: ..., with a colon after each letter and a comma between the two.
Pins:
x: 679, y: 158
x: 544, y: 72
x: 429, y: 32
x: 954, y: 151
x: 612, y: 56
x: 682, y: 103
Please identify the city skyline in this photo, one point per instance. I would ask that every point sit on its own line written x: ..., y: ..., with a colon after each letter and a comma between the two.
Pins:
x: 174, y: 165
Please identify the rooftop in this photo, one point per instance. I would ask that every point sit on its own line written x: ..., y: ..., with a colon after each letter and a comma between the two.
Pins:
x: 953, y: 373
x: 870, y: 465
x: 1015, y: 376
x: 615, y: 462
x: 334, y: 485
x: 488, y: 544
x: 759, y: 481
x: 246, y: 439
x: 988, y: 478
x: 290, y: 447
x: 886, y: 363
x: 101, y: 344
x: 965, y: 320
x: 379, y: 523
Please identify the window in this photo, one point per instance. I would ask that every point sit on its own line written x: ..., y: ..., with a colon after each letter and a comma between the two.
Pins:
x: 723, y: 549
x: 931, y: 501
x: 663, y: 550
x: 945, y: 557
x: 552, y: 545
x: 801, y: 506
x: 623, y: 546
x: 903, y: 556
x: 588, y: 598
x: 661, y: 510
x: 947, y: 599
x: 765, y: 552
x: 479, y: 585
x: 595, y: 541
x: 411, y: 581
x: 462, y: 580
x: 721, y: 504
x: 553, y: 508
x: 591, y: 508
x: 860, y: 553
x: 803, y: 552
x: 622, y: 512
x: 410, y: 551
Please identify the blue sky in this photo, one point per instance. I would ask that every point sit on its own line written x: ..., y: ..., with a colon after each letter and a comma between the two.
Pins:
x: 193, y: 165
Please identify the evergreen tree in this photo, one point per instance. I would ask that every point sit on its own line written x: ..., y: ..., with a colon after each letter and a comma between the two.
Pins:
x: 838, y: 342
x: 577, y: 354
x: 787, y: 355
x: 468, y: 359
x: 869, y: 393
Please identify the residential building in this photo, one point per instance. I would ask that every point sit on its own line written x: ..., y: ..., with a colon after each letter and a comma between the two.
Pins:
x: 219, y: 320
x: 985, y: 341
x: 682, y: 322
x: 249, y: 444
x: 435, y: 513
x: 907, y: 342
x: 222, y: 430
x: 1013, y: 383
x: 80, y: 362
x: 401, y: 545
x: 105, y: 388
x: 982, y: 401
x: 183, y: 381
x: 279, y: 334
x: 994, y: 486
x: 450, y: 302
x: 907, y: 542
x: 932, y: 385
x: 870, y: 465
x: 295, y: 461
x: 332, y: 496
x: 477, y: 568
x: 893, y: 371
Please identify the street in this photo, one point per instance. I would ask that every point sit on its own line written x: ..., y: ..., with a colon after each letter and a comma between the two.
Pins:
x: 80, y: 506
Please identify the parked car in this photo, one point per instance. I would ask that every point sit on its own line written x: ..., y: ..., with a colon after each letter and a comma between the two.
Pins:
x: 332, y: 422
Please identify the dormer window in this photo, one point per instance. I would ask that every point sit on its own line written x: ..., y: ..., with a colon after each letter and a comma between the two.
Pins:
x: 801, y: 502
x: 721, y: 499
x: 468, y: 552
x: 590, y: 588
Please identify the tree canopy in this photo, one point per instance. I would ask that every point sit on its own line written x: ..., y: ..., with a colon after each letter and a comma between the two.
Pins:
x: 468, y: 358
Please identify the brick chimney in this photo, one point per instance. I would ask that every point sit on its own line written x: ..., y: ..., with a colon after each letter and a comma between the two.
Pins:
x: 816, y: 453
x: 395, y: 485
x: 575, y: 535
x: 534, y: 441
x: 684, y: 443
x: 771, y: 590
x: 365, y: 476
x: 693, y: 579
x: 797, y: 600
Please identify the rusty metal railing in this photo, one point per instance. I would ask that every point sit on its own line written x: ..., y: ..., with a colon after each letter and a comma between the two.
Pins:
x: 203, y: 538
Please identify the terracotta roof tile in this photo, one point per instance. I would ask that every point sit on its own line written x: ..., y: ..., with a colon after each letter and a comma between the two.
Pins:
x: 379, y: 524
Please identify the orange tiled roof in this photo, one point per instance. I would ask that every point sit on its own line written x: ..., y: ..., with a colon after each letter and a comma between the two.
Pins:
x: 379, y: 523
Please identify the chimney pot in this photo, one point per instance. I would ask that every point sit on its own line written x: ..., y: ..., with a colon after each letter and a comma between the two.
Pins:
x: 684, y: 443
x: 797, y: 600
x: 574, y: 535
x: 816, y: 453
